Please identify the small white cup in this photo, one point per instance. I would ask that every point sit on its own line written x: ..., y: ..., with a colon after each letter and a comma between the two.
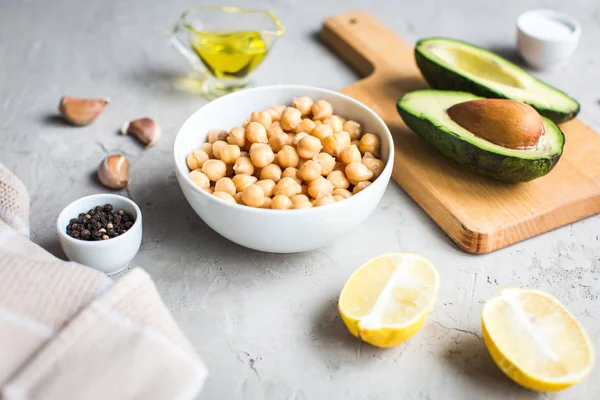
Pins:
x: 547, y: 38
x: 109, y: 256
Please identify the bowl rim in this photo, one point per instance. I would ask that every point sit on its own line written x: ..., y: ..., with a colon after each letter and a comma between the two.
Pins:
x: 546, y: 12
x: 62, y: 232
x: 346, y: 202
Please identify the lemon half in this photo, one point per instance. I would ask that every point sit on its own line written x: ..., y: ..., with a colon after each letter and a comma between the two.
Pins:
x: 535, y: 340
x: 387, y: 299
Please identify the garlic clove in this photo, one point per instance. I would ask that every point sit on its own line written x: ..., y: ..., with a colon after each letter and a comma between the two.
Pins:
x: 113, y: 171
x: 79, y: 111
x: 146, y: 130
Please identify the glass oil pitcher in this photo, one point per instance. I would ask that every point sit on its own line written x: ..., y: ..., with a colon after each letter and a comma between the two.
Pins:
x: 226, y: 43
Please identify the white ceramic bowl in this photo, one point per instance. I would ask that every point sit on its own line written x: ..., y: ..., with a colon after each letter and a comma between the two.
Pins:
x: 547, y: 38
x: 278, y: 231
x: 109, y: 256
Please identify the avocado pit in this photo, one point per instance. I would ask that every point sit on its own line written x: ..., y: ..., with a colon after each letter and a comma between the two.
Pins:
x: 507, y: 123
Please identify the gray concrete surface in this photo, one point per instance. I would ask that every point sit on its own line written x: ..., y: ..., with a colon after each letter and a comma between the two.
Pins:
x: 266, y: 324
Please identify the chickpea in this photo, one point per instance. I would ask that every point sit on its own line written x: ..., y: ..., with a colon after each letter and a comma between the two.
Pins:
x: 209, y: 190
x: 368, y: 155
x: 243, y: 165
x: 196, y: 159
x: 279, y: 140
x: 327, y: 163
x: 217, y: 147
x: 281, y: 202
x: 304, y: 190
x: 358, y: 172
x: 237, y: 135
x: 229, y: 153
x: 267, y: 185
x: 321, y: 131
x: 350, y: 154
x: 287, y: 186
x: 272, y: 172
x: 369, y: 142
x: 245, y: 123
x: 338, y: 180
x: 360, y: 186
x: 216, y: 134
x: 343, y: 138
x: 225, y: 196
x: 262, y: 155
x: 238, y: 198
x: 319, y: 187
x: 331, y: 146
x: 334, y: 122
x: 309, y: 146
x: 301, y: 162
x: 256, y: 133
x: 214, y: 169
x: 274, y: 129
x: 318, y: 122
x: 275, y: 112
x: 342, y: 193
x: 309, y: 171
x: 303, y: 104
x: 375, y: 165
x: 225, y: 185
x: 321, y: 109
x: 300, y: 201
x: 324, y: 200
x: 267, y: 203
x: 199, y: 179
x: 288, y: 157
x: 207, y: 148
x: 242, y: 181
x: 253, y: 196
x: 296, y: 138
x: 244, y: 153
x: 338, y: 198
x: 355, y: 142
x: 262, y: 117
x: 307, y: 125
x: 291, y: 172
x: 353, y: 128
x: 290, y: 118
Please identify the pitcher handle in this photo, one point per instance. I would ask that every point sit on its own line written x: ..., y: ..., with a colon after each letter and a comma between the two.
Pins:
x: 179, y: 38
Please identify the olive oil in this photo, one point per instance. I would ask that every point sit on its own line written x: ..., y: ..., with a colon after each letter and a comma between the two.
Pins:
x: 230, y: 55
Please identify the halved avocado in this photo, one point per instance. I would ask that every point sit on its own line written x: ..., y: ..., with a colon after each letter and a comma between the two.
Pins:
x: 454, y: 65
x: 424, y: 111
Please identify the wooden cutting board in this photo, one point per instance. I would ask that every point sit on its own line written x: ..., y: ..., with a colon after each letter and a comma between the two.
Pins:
x: 479, y: 214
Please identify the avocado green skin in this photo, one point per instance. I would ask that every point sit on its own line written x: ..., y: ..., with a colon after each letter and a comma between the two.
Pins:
x: 440, y: 77
x: 501, y: 167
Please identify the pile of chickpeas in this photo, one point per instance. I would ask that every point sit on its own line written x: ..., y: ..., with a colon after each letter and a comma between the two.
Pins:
x: 284, y: 158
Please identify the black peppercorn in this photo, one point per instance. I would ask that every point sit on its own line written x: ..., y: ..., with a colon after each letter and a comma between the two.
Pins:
x: 100, y: 224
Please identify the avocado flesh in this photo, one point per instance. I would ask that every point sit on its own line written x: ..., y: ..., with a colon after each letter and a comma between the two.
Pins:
x: 424, y: 111
x: 454, y: 65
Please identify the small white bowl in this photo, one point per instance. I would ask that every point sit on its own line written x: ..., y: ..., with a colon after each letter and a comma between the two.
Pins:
x: 109, y: 256
x: 547, y: 38
x: 278, y: 231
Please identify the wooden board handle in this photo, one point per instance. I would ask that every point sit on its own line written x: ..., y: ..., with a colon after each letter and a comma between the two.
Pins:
x: 365, y: 43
